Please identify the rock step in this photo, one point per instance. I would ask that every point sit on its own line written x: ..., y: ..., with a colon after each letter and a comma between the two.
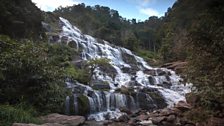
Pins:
x: 57, y: 120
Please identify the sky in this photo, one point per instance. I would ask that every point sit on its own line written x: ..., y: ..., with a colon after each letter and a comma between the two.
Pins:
x: 129, y: 9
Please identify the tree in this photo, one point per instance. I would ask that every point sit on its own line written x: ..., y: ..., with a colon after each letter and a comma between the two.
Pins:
x: 206, y: 64
x: 29, y: 75
x: 95, y: 63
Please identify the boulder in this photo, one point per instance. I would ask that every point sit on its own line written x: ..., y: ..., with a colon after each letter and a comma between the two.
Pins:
x: 192, y: 99
x: 63, y: 119
x: 151, y: 72
x: 146, y: 102
x: 123, y: 118
x: 142, y: 117
x: 133, y: 122
x: 146, y: 123
x: 171, y: 118
x: 158, y: 120
x: 126, y: 110
x: 46, y: 124
x: 178, y: 66
x: 183, y: 106
x: 100, y: 85
x: 161, y: 72
x: 214, y: 121
x: 169, y: 111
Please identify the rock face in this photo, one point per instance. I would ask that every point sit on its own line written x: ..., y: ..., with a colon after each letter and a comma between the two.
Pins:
x: 183, y: 106
x: 213, y: 121
x: 172, y: 116
x: 46, y: 124
x: 63, y: 119
x: 177, y: 66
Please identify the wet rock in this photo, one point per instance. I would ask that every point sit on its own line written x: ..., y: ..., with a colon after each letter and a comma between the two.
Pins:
x: 146, y: 123
x: 64, y: 39
x: 130, y: 59
x: 158, y: 120
x: 54, y: 38
x: 169, y: 111
x: 129, y: 70
x: 192, y: 99
x: 142, y: 117
x: 171, y: 118
x: 151, y: 80
x: 95, y: 123
x: 145, y: 101
x: 133, y: 121
x: 178, y: 66
x: 100, y: 85
x: 126, y: 110
x: 63, y: 119
x: 123, y: 118
x: 46, y: 124
x: 214, y: 121
x: 161, y: 72
x: 192, y: 125
x: 109, y: 70
x: 183, y: 106
x: 150, y: 72
x: 166, y: 123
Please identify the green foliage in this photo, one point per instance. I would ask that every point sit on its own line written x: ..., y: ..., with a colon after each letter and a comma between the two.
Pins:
x: 94, y: 63
x: 81, y: 75
x: 206, y: 64
x: 20, y: 113
x: 147, y: 55
x: 83, y: 105
x: 202, y: 115
x: 20, y: 19
x: 29, y: 74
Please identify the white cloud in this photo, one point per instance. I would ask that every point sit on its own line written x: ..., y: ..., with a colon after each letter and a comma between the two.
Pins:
x: 142, y: 3
x: 50, y: 5
x: 149, y: 12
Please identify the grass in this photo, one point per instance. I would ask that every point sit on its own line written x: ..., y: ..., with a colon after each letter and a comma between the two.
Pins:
x: 19, y: 114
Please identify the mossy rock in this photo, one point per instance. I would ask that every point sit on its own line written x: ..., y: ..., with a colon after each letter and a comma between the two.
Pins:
x: 83, y: 105
x: 125, y: 90
x: 158, y: 99
x: 100, y: 85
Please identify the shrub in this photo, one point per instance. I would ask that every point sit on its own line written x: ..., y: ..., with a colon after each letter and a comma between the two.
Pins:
x: 29, y: 74
x: 20, y: 113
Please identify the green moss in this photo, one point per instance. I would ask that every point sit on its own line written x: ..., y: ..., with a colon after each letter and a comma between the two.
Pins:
x: 125, y: 90
x: 83, y: 105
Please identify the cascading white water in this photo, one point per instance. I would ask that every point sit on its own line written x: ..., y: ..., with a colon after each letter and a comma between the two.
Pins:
x: 102, y: 103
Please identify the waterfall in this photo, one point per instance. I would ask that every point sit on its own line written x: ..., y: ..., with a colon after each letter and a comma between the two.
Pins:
x: 67, y: 106
x: 75, y: 103
x: 133, y: 83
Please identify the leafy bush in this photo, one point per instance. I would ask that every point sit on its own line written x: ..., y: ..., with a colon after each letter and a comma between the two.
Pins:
x: 81, y: 75
x: 153, y: 58
x: 29, y: 74
x: 20, y: 113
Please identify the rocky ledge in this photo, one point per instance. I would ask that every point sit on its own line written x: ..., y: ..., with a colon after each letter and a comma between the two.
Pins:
x: 173, y: 116
x: 57, y: 120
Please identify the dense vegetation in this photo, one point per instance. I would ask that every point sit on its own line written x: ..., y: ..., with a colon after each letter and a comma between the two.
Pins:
x: 20, y: 19
x: 31, y: 70
x: 206, y: 42
x: 29, y: 73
